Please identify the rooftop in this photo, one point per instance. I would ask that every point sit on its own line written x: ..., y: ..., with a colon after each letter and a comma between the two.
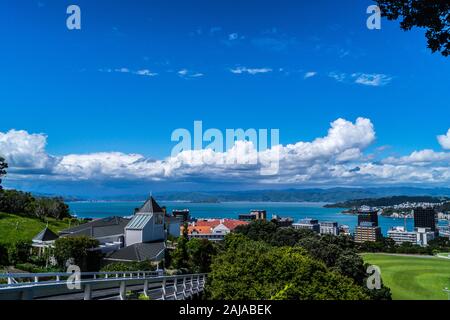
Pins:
x: 45, y: 235
x: 139, y: 221
x: 150, y: 206
x: 139, y: 252
x: 98, y: 228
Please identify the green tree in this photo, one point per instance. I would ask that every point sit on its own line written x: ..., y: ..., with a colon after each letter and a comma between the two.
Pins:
x: 180, y: 256
x: 17, y: 202
x: 321, y: 286
x: 201, y: 252
x: 81, y: 250
x: 256, y: 270
x: 19, y: 252
x: 3, y: 167
x: 4, y: 260
x: 338, y: 253
x: 258, y: 230
x: 351, y: 265
x: 433, y: 15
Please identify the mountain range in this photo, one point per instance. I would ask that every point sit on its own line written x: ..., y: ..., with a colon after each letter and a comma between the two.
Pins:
x: 330, y: 195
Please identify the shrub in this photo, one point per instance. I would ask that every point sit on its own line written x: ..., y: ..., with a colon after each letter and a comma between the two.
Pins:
x: 129, y: 266
x: 82, y: 250
x: 143, y: 297
x: 4, y: 261
x: 19, y: 252
x: 255, y: 270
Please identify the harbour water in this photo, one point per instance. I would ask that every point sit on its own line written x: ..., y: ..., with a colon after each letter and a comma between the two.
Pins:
x: 231, y: 210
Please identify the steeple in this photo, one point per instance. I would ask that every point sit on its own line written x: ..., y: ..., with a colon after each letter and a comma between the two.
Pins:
x: 150, y: 206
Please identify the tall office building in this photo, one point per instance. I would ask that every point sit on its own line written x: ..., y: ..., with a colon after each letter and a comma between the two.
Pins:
x: 367, y: 232
x: 368, y: 216
x: 425, y: 218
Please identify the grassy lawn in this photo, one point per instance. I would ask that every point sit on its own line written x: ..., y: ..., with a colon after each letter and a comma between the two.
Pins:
x: 14, y: 228
x: 413, y: 278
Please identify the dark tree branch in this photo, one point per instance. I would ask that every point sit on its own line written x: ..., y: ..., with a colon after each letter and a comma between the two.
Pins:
x: 433, y: 15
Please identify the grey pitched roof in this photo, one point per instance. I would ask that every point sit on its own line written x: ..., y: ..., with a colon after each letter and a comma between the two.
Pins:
x: 139, y: 252
x: 150, y: 206
x: 45, y: 235
x: 98, y: 228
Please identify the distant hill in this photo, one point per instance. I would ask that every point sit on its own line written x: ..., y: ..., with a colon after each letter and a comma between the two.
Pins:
x: 330, y: 195
x: 386, y: 201
x: 302, y: 195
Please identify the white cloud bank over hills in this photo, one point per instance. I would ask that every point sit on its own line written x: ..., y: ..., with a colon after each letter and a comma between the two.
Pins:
x: 338, y: 158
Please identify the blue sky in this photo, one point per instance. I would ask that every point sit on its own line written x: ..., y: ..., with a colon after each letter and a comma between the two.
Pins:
x: 137, y: 70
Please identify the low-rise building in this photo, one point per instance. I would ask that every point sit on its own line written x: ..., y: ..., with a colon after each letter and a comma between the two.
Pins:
x: 401, y: 235
x: 424, y: 235
x: 310, y: 224
x: 443, y: 216
x: 184, y: 215
x: 173, y: 225
x: 329, y: 227
x: 253, y: 215
x: 444, y: 232
x: 281, y: 221
x: 212, y: 229
x: 110, y: 232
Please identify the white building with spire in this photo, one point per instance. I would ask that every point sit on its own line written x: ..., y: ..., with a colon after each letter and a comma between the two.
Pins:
x: 147, y: 225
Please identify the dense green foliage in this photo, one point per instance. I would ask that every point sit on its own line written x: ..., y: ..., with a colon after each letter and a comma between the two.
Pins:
x: 179, y: 258
x: 23, y: 203
x: 413, y: 278
x: 194, y: 256
x: 200, y: 253
x: 36, y: 268
x: 248, y: 269
x: 339, y: 253
x: 384, y: 202
x: 129, y: 266
x: 4, y: 259
x: 433, y: 15
x: 79, y: 251
x: 18, y: 202
x: 19, y: 252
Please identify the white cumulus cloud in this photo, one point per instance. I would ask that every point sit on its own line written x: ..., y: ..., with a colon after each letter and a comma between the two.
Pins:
x: 338, y: 157
x: 444, y: 140
x: 25, y: 151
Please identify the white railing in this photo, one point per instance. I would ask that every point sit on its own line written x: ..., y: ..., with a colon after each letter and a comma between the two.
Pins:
x: 100, y: 285
x: 24, y: 278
